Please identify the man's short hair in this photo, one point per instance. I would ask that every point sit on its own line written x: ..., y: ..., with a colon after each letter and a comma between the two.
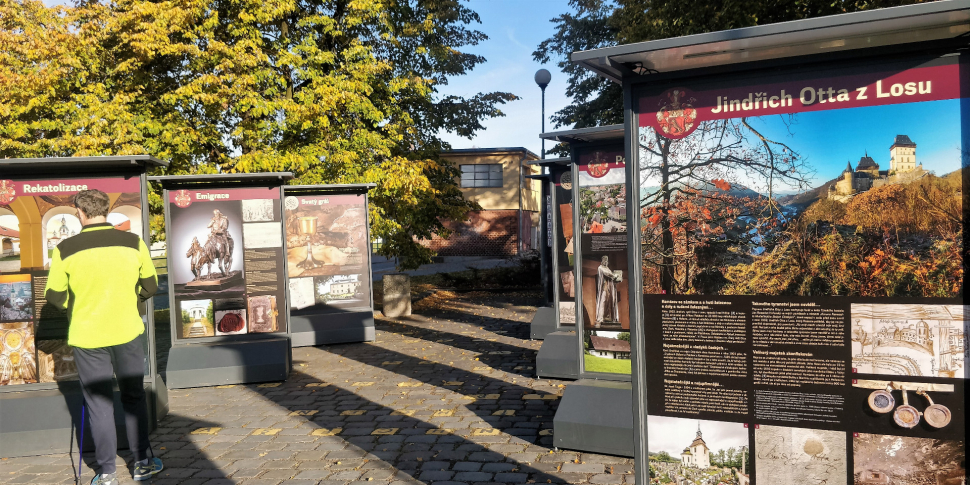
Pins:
x: 93, y: 203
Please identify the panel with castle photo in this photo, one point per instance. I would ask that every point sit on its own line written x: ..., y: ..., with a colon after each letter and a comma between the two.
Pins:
x: 862, y: 201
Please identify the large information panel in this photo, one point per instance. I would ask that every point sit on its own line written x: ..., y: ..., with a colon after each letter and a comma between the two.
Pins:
x: 803, y: 273
x: 600, y: 194
x: 35, y: 216
x: 564, y: 277
x: 226, y: 262
x: 328, y: 252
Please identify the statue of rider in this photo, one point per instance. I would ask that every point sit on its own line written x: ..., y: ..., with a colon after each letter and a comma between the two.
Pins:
x: 219, y: 228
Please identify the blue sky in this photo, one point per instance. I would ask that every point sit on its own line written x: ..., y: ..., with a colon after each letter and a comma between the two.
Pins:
x: 515, y: 28
x: 828, y: 139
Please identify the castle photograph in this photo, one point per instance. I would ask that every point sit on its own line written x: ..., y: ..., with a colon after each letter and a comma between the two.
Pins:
x: 867, y: 175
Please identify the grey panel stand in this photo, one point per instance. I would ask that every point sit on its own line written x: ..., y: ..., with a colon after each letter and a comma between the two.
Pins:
x: 43, y: 422
x: 559, y: 356
x: 221, y: 363
x: 595, y: 416
x: 332, y: 328
x: 543, y: 323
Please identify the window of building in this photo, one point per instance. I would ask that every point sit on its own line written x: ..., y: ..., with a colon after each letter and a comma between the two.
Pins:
x: 484, y: 175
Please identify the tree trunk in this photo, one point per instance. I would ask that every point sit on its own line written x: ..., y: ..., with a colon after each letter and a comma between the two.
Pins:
x: 666, y: 236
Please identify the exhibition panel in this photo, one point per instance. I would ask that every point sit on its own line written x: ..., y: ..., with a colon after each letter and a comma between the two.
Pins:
x: 603, y: 311
x: 227, y: 276
x: 561, y: 212
x: 37, y: 368
x: 328, y: 261
x: 557, y: 357
x: 802, y: 317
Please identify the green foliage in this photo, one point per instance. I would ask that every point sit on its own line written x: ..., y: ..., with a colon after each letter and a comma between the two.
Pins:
x: 664, y: 456
x: 339, y: 91
x: 604, y: 23
x: 186, y: 318
x: 623, y: 336
x: 612, y: 366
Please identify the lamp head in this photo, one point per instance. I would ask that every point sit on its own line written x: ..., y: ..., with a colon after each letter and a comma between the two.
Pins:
x: 542, y: 78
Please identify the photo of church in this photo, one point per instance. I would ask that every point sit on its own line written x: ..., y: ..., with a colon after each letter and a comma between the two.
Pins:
x: 697, y: 452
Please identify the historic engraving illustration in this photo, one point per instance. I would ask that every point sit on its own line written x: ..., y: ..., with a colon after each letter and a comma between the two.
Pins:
x: 257, y: 210
x: 909, y: 340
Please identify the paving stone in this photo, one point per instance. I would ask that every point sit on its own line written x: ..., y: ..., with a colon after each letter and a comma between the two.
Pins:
x: 582, y: 468
x: 436, y: 350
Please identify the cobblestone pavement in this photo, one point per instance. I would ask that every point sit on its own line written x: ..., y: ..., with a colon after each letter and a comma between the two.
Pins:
x: 444, y: 399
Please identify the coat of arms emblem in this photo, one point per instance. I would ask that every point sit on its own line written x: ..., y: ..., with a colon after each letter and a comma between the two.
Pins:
x: 598, y: 167
x: 183, y: 199
x: 676, y: 117
x: 7, y: 192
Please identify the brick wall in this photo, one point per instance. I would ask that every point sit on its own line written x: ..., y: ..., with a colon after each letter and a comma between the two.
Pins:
x: 485, y: 233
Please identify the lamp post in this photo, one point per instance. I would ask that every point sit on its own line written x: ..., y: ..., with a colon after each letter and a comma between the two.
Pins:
x: 542, y: 79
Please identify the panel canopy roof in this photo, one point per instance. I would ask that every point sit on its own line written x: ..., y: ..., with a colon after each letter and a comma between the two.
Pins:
x: 56, y: 165
x: 586, y: 135
x: 222, y: 178
x: 887, y: 27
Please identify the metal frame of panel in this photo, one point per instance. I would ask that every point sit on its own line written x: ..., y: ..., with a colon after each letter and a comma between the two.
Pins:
x: 41, y: 418
x: 855, y: 37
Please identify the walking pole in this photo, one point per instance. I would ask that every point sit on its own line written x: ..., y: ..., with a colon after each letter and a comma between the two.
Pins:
x: 80, y: 446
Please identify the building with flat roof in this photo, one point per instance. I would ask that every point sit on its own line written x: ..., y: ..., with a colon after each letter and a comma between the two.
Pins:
x: 508, y: 224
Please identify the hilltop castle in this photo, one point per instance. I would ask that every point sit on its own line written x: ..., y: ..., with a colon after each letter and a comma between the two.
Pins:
x: 902, y: 169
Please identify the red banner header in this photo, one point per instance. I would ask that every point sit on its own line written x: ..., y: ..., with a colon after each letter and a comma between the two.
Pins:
x: 185, y: 197
x: 676, y: 112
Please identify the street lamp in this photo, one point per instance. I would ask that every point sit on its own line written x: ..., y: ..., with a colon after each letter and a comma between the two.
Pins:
x: 542, y: 79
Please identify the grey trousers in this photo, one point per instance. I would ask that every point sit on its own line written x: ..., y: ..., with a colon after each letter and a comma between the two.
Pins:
x: 95, y: 368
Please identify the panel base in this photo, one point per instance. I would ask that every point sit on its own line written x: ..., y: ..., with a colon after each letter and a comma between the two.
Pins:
x: 223, y: 363
x: 595, y: 416
x: 332, y: 328
x: 558, y: 357
x: 543, y: 323
x: 46, y: 422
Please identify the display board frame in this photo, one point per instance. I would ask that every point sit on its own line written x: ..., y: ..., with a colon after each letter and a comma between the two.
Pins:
x: 859, y: 39
x: 232, y: 358
x: 577, y: 150
x: 23, y: 433
x: 556, y: 170
x: 318, y: 325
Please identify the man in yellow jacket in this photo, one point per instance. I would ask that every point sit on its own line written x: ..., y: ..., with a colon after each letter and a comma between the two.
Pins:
x: 99, y: 277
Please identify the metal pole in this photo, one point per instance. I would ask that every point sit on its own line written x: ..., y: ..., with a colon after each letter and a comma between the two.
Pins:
x: 543, y: 121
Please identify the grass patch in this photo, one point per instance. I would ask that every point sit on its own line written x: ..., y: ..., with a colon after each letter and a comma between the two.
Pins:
x: 593, y: 363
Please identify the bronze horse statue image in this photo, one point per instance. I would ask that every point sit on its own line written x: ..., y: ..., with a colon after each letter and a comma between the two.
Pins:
x: 215, y: 249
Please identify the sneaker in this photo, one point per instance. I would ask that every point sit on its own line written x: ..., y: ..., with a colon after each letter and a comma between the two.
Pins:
x: 105, y: 479
x: 147, y: 469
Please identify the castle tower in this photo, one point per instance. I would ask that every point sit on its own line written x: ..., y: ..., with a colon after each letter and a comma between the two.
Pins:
x: 847, y: 173
x: 902, y: 155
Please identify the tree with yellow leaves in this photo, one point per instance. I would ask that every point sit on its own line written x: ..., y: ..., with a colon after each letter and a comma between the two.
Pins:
x: 338, y: 91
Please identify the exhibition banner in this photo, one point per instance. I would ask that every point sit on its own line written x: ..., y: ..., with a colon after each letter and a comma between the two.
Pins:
x: 226, y: 261
x: 604, y: 303
x: 565, y: 278
x: 35, y: 216
x: 327, y: 252
x: 803, y: 272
